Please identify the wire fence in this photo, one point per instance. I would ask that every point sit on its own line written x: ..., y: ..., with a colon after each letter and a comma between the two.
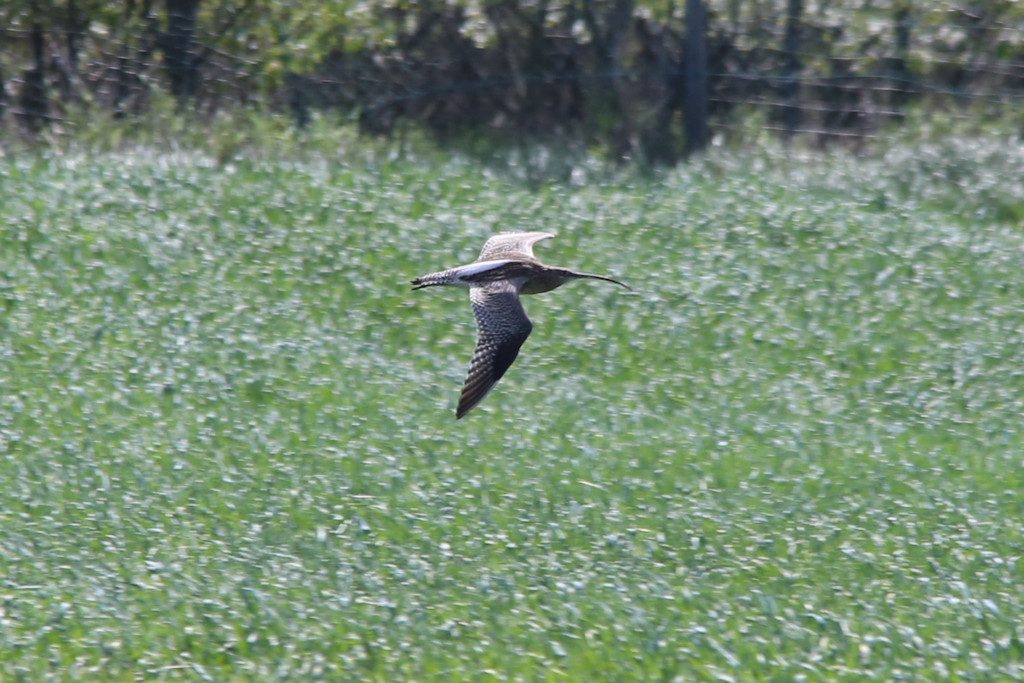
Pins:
x: 798, y: 72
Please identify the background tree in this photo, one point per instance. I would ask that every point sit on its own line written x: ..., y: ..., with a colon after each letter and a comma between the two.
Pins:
x: 644, y: 79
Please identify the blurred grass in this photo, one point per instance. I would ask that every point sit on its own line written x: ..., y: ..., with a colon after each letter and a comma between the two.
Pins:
x: 793, y: 452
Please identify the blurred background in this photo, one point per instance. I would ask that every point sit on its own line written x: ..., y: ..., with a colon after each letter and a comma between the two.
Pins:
x: 650, y: 80
x: 793, y: 452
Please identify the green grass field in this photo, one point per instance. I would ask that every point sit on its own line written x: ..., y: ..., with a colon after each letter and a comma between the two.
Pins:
x: 793, y: 452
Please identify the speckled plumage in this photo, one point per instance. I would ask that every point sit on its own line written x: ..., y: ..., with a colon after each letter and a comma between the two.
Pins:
x: 505, y: 269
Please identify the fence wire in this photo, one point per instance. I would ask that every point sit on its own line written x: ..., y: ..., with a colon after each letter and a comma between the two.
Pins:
x: 966, y: 60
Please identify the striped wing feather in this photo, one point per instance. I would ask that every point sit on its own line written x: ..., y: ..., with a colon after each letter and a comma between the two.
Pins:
x: 502, y: 327
x: 511, y: 245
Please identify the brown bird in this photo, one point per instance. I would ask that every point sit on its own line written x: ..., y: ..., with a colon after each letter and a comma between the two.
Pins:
x: 505, y: 269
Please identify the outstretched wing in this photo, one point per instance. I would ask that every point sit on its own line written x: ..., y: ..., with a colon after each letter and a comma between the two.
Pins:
x: 502, y: 327
x: 511, y: 245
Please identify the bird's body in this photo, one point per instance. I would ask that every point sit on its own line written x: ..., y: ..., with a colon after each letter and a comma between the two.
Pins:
x: 505, y: 269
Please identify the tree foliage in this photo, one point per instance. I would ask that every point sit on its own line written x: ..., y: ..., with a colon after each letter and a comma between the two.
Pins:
x: 612, y: 72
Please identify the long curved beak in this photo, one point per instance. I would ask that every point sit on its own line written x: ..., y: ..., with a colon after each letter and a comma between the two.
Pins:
x: 602, y: 277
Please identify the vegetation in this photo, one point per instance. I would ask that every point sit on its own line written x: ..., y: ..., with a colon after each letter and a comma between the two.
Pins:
x: 794, y: 451
x: 645, y: 80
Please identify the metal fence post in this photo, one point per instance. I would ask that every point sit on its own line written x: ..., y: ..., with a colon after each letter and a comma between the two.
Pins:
x: 695, y: 87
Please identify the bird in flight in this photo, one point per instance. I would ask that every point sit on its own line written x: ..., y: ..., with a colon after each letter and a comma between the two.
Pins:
x: 505, y: 269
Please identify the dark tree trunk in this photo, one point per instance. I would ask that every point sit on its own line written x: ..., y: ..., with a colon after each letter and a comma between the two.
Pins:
x: 3, y: 95
x: 121, y: 82
x: 64, y: 66
x: 842, y: 110
x: 695, y: 53
x: 609, y: 34
x: 659, y: 141
x: 791, y: 82
x: 179, y: 47
x: 33, y: 99
x: 295, y: 94
x: 134, y: 57
x: 121, y: 70
x: 903, y: 86
x: 151, y: 36
x: 75, y: 28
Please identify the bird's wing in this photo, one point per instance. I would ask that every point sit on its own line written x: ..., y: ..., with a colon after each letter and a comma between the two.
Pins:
x: 502, y: 327
x: 511, y: 244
